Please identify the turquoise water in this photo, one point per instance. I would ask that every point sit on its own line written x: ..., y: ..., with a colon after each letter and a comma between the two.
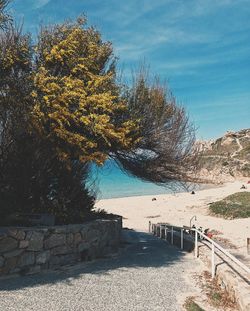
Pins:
x: 113, y: 183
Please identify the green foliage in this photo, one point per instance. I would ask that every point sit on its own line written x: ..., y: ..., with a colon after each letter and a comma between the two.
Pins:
x: 61, y: 109
x: 77, y: 102
x: 236, y: 205
x: 190, y: 305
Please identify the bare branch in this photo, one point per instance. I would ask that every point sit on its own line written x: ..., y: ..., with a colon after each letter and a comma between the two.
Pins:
x: 166, y: 153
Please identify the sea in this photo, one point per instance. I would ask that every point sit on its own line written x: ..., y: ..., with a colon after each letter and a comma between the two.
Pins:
x: 109, y: 181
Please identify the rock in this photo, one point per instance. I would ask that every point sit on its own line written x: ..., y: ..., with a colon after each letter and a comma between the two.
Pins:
x: 12, y: 232
x: 55, y: 240
x: 62, y: 260
x: 74, y: 228
x: 84, y: 233
x: 42, y: 257
x: 83, y: 246
x: 92, y: 235
x: 60, y: 229
x: 77, y: 238
x: 8, y: 244
x: 3, y: 232
x: 20, y: 235
x: 23, y: 244
x: 35, y: 241
x: 14, y: 253
x: 33, y: 270
x: 1, y: 261
x: 33, y: 249
x: 10, y: 264
x: 61, y: 250
x: 70, y: 239
x: 227, y: 141
x: 15, y: 270
x: 28, y: 258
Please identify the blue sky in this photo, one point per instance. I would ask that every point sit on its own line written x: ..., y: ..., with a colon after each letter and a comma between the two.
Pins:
x: 200, y: 47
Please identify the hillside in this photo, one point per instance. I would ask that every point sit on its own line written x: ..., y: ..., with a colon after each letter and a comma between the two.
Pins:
x: 226, y: 158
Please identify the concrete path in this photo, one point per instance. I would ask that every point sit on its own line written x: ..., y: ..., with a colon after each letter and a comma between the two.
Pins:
x: 147, y: 274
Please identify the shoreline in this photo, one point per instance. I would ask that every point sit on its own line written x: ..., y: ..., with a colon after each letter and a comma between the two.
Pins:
x: 171, y: 192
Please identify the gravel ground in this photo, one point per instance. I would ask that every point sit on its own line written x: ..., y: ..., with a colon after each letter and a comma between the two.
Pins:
x: 147, y: 274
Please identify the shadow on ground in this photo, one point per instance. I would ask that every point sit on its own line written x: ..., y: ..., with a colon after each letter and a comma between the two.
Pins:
x: 138, y: 250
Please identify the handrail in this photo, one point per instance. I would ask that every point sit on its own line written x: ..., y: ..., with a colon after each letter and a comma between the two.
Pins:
x: 224, y: 251
x: 198, y: 232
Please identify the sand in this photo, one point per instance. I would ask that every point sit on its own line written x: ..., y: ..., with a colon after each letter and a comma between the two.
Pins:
x: 179, y: 208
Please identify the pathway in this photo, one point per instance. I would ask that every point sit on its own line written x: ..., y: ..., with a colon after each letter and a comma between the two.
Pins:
x: 146, y: 275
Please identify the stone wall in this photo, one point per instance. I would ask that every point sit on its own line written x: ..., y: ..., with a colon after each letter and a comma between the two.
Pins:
x: 32, y: 249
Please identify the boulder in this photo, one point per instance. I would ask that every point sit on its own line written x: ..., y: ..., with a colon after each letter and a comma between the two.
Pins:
x: 1, y: 261
x: 28, y: 258
x: 42, y: 257
x: 8, y: 244
x: 77, y: 238
x: 93, y: 235
x: 55, y: 240
x: 23, y: 244
x: 84, y: 232
x: 33, y: 270
x: 35, y: 241
x: 20, y: 235
x: 83, y: 246
x: 62, y: 260
x: 61, y: 250
x: 70, y: 239
x: 9, y: 265
x: 14, y: 253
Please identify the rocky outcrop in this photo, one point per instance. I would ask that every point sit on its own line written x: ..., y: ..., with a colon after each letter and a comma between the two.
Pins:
x: 226, y: 158
x: 30, y: 250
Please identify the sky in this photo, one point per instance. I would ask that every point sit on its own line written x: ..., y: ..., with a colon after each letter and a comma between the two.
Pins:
x: 201, y: 48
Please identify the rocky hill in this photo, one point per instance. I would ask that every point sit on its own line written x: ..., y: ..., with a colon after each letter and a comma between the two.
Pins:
x: 226, y: 158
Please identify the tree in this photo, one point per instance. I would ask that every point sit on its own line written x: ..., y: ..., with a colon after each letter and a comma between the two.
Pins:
x: 31, y: 177
x: 61, y: 109
x: 77, y: 102
x: 166, y: 152
x: 4, y: 17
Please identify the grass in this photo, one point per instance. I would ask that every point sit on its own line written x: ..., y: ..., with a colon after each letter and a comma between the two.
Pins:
x: 190, y: 305
x: 216, y: 296
x: 236, y: 205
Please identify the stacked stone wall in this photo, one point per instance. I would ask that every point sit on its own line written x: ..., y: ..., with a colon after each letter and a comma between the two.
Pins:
x: 32, y: 249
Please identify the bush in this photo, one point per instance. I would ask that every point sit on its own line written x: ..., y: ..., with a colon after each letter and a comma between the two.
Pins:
x: 236, y: 205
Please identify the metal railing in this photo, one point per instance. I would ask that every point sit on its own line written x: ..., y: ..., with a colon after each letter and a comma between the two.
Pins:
x: 197, y: 233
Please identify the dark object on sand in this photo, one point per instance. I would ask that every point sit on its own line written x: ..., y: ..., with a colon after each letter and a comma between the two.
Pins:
x: 243, y: 187
x: 154, y: 199
x: 193, y: 192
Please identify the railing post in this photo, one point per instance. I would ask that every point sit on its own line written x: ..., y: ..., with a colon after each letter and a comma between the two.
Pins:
x: 166, y: 233
x: 181, y: 238
x: 160, y: 232
x: 172, y: 235
x: 149, y: 226
x: 196, y: 244
x: 212, y: 263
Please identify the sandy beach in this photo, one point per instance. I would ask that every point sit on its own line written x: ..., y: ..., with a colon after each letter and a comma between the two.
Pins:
x: 179, y: 208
